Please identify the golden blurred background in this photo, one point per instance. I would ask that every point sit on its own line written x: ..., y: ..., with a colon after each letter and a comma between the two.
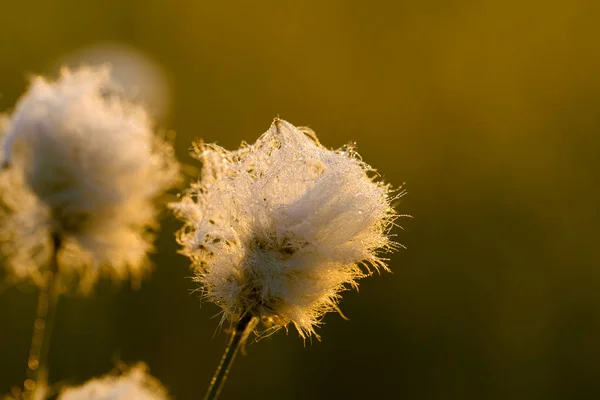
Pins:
x: 489, y: 111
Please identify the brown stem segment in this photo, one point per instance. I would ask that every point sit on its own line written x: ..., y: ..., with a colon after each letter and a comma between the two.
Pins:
x: 235, y: 342
x: 37, y: 363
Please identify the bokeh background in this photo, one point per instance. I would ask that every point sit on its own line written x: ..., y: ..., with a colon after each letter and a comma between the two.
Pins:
x: 489, y: 111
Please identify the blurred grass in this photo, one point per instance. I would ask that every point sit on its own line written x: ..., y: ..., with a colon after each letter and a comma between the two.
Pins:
x: 489, y: 112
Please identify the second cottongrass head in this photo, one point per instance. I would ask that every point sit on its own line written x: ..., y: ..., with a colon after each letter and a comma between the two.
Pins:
x: 134, y: 384
x: 84, y: 165
x: 279, y: 228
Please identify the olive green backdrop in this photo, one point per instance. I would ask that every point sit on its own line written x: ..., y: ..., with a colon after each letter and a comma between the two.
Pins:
x: 489, y: 111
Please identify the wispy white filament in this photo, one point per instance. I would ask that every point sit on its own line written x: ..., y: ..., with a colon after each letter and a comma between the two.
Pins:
x: 86, y: 165
x: 136, y: 384
x: 279, y: 228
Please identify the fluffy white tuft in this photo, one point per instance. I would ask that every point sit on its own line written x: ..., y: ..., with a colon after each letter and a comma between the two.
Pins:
x: 136, y: 384
x: 86, y: 165
x: 279, y: 228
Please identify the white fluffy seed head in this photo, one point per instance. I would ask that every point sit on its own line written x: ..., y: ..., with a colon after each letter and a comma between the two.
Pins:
x: 84, y: 164
x: 279, y: 228
x: 135, y: 384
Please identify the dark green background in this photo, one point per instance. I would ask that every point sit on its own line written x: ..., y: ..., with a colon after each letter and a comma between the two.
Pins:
x: 489, y: 111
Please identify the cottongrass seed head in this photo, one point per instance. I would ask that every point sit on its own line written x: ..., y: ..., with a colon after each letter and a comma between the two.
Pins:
x: 83, y: 164
x: 279, y: 228
x: 135, y: 384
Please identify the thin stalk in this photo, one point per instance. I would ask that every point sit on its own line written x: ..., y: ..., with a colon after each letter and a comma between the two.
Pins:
x: 37, y: 364
x: 235, y: 342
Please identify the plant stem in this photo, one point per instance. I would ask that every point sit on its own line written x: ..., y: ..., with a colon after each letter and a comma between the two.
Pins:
x: 235, y: 342
x: 37, y: 364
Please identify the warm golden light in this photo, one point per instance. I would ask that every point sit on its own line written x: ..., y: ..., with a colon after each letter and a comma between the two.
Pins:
x: 489, y: 111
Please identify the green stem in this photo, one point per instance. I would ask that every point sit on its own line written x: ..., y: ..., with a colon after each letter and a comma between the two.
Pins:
x: 236, y: 341
x: 37, y: 364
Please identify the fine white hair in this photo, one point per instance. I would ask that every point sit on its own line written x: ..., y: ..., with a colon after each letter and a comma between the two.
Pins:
x: 279, y: 228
